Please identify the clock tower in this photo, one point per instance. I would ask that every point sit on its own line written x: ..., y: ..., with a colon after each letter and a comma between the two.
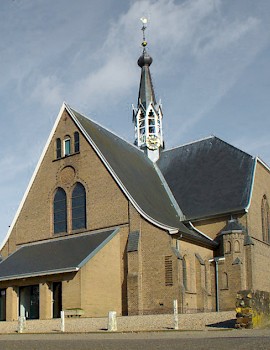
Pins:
x: 147, y: 116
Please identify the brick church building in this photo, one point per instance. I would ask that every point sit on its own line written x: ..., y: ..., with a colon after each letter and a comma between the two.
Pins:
x: 108, y: 225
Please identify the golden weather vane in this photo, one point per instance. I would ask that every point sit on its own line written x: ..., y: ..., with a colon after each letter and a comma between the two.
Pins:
x: 144, y: 21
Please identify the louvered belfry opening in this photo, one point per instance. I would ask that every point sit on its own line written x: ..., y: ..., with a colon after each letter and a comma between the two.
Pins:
x: 168, y: 271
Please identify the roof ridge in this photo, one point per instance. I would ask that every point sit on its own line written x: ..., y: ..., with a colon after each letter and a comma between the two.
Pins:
x: 232, y: 146
x: 260, y: 160
x: 104, y: 128
x: 208, y: 138
x: 189, y: 143
x: 169, y: 192
x: 75, y: 115
x: 69, y: 236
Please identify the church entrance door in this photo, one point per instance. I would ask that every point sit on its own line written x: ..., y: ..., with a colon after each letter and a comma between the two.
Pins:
x: 29, y: 302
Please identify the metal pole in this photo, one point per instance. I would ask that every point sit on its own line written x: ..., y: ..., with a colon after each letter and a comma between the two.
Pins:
x: 217, y: 288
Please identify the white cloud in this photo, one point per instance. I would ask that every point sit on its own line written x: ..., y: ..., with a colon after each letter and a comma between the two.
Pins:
x: 48, y: 91
x: 216, y: 38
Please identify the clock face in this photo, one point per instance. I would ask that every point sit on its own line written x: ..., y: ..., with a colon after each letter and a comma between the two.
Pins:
x: 153, y: 142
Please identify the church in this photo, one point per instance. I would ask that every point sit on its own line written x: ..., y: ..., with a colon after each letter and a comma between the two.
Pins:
x: 106, y: 225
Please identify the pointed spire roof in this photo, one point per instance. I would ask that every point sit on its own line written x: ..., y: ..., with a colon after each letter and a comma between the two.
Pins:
x: 146, y: 90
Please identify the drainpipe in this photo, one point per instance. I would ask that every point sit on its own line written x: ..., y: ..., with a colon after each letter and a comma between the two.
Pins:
x: 216, y: 261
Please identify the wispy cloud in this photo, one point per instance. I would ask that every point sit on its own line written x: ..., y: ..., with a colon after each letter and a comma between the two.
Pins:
x: 85, y: 52
x: 47, y: 90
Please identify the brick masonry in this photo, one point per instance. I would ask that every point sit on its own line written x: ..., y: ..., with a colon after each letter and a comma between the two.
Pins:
x: 163, y: 268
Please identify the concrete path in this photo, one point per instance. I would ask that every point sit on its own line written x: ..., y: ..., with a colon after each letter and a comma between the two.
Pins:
x: 199, y: 321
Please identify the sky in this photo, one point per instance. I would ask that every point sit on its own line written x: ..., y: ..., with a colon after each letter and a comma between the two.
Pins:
x: 211, y: 70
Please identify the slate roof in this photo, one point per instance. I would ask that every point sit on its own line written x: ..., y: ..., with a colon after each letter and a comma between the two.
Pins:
x: 68, y: 254
x: 233, y: 226
x: 140, y: 179
x: 135, y: 171
x: 208, y: 177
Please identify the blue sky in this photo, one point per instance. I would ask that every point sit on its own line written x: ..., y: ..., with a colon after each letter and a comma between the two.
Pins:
x: 210, y: 69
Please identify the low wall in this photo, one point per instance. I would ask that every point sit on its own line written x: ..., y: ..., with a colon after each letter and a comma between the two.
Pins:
x: 252, y: 309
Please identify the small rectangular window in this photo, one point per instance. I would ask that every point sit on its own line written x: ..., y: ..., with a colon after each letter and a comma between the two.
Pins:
x: 58, y: 148
x: 67, y: 147
x: 76, y: 142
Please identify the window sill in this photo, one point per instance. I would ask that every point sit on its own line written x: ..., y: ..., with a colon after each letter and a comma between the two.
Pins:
x: 72, y: 232
x: 59, y: 234
x: 67, y: 156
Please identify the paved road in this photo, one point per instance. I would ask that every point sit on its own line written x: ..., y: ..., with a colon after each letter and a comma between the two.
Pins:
x: 216, y: 340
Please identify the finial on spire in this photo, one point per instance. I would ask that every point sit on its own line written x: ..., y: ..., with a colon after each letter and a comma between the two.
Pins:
x: 144, y: 59
x: 144, y: 22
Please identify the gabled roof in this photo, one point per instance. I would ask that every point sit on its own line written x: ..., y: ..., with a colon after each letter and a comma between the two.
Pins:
x: 208, y: 177
x: 139, y: 178
x: 53, y: 256
x: 134, y: 172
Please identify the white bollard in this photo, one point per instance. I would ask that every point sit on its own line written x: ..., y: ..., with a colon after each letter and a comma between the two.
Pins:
x: 175, y: 314
x: 112, y: 324
x: 62, y: 321
x: 21, y: 324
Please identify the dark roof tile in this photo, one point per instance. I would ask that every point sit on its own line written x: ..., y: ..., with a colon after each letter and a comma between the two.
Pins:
x: 136, y: 173
x: 208, y: 177
x: 53, y: 256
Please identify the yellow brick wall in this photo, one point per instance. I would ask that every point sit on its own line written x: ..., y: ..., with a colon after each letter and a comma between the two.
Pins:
x: 198, y: 294
x: 101, y: 281
x: 71, y: 292
x: 156, y: 244
x: 146, y: 267
x: 260, y: 253
x: 45, y: 301
x: 100, y: 285
x: 35, y: 221
x: 12, y: 301
x: 212, y: 227
x: 261, y: 273
x: 261, y: 187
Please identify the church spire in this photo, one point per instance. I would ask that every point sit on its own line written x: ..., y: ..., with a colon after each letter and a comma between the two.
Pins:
x: 147, y: 117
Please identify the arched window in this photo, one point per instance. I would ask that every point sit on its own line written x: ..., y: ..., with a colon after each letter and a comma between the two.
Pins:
x: 265, y: 219
x: 60, y: 211
x: 67, y: 146
x: 78, y: 207
x: 58, y: 148
x: 76, y: 142
x: 237, y: 247
x: 224, y: 281
x: 228, y: 247
x: 184, y: 270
